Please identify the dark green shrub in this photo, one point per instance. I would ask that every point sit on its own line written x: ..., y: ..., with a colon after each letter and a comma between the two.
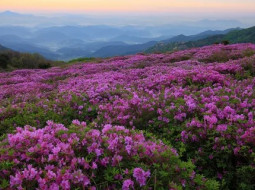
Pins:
x: 44, y: 65
x: 4, y: 59
x: 225, y: 42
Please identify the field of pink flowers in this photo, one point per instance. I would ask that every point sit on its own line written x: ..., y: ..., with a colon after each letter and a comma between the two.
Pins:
x: 182, y: 120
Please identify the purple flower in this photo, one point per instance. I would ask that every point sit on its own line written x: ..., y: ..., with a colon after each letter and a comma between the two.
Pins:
x: 141, y: 176
x: 65, y: 184
x: 94, y: 165
x: 16, y: 180
x: 56, y: 150
x: 211, y: 119
x: 128, y: 184
x: 222, y: 128
x: 128, y: 149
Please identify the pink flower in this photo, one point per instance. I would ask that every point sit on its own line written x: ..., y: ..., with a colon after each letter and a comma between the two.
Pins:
x: 222, y: 127
x: 98, y: 152
x: 180, y: 116
x: 127, y: 184
x: 105, y: 161
x: 106, y: 128
x: 141, y: 176
x: 51, y: 174
x: 76, y: 122
x: 56, y: 150
x: 29, y: 173
x: 80, y: 107
x: 219, y: 175
x: 128, y: 149
x: 16, y: 180
x: 65, y: 185
x: 236, y: 150
x: 86, y: 181
x: 211, y: 119
x: 54, y: 186
x: 94, y: 165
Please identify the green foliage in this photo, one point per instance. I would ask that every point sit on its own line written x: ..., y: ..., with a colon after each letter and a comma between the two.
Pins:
x: 37, y: 113
x: 4, y: 59
x: 6, y: 165
x: 44, y: 65
x: 249, y: 66
x: 220, y: 57
x: 4, y: 183
x: 10, y: 60
x: 225, y: 42
x: 82, y: 59
x: 246, y: 178
x: 248, y: 52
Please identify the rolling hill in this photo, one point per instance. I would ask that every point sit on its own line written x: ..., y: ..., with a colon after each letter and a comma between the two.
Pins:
x: 12, y: 60
x: 185, y: 120
x: 2, y: 48
x: 235, y: 36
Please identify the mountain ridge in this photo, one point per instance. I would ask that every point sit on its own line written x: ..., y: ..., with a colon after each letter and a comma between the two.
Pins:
x: 236, y: 36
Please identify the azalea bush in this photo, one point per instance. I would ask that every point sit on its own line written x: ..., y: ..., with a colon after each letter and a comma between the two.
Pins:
x: 199, y: 101
x: 83, y: 157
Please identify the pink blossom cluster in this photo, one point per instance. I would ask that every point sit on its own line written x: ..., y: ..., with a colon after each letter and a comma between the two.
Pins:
x: 56, y: 157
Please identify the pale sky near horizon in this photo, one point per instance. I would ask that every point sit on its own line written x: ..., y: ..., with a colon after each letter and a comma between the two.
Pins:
x: 239, y: 6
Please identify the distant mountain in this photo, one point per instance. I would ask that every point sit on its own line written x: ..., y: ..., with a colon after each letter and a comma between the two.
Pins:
x: 234, y: 36
x: 9, y: 13
x: 11, y: 18
x: 12, y: 14
x: 75, y: 51
x: 64, y: 37
x: 184, y: 38
x: 2, y: 48
x: 19, y: 31
x: 130, y: 39
x: 68, y: 42
x: 109, y: 51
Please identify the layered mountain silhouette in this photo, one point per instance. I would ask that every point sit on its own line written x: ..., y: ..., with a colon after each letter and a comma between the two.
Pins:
x: 233, y: 36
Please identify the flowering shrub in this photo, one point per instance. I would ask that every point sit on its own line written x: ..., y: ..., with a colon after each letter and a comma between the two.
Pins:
x: 56, y: 157
x: 60, y: 108
x: 200, y: 101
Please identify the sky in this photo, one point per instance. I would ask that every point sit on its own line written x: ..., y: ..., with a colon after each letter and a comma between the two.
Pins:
x: 146, y: 12
x: 141, y: 6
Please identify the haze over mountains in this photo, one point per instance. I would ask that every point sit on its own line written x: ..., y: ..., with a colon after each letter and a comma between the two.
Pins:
x: 65, y: 37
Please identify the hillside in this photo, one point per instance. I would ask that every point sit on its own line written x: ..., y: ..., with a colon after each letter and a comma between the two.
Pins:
x: 2, y: 48
x: 202, y: 35
x: 11, y: 60
x: 236, y: 36
x: 242, y: 36
x: 181, y: 120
